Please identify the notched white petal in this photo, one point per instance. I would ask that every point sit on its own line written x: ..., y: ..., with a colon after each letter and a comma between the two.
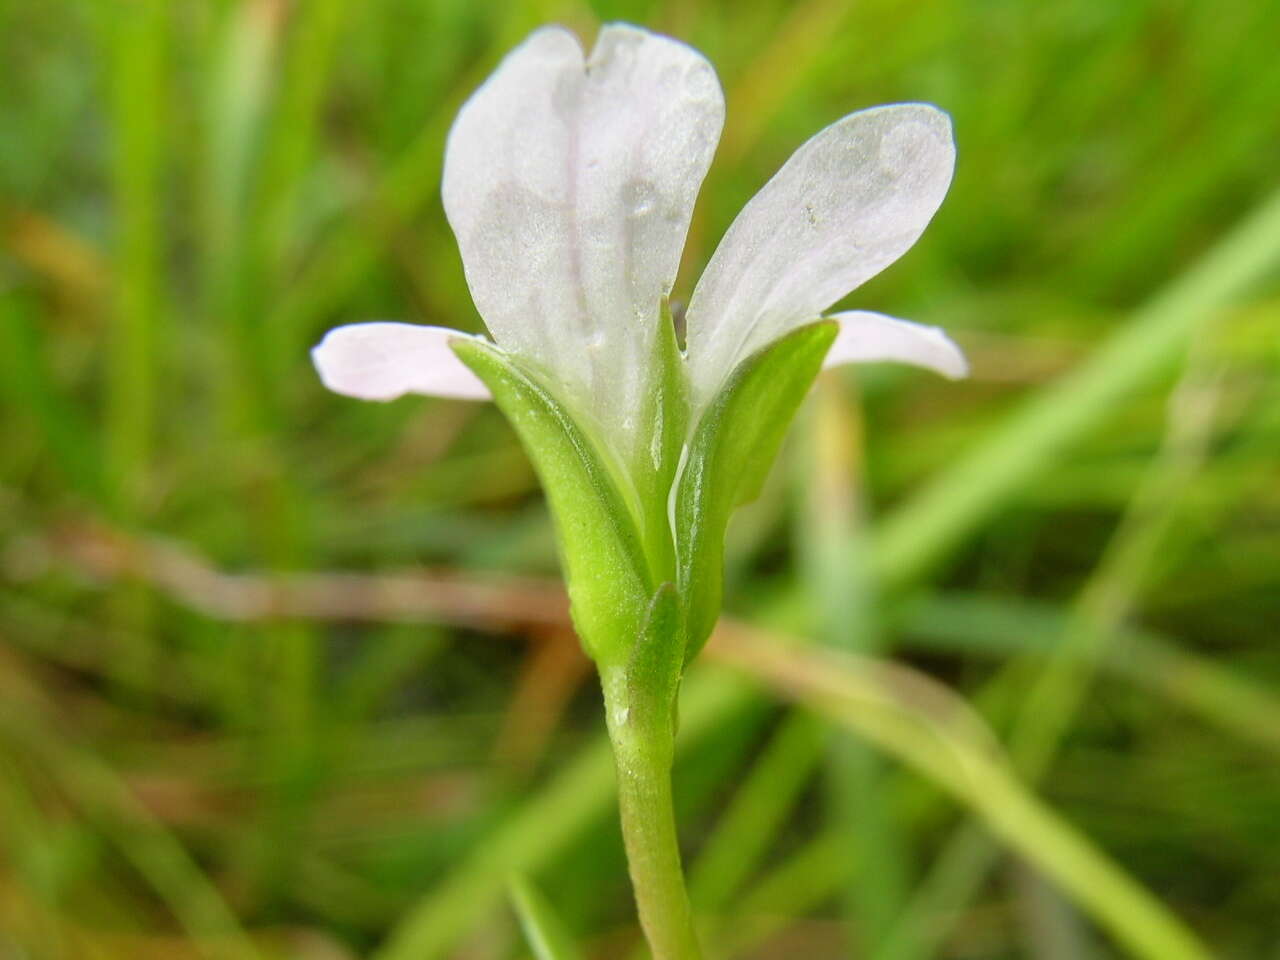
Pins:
x: 847, y: 204
x: 569, y: 183
x: 382, y: 361
x: 866, y: 337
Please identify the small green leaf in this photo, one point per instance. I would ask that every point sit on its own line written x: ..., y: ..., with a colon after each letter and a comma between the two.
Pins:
x: 543, y: 929
x: 600, y: 547
x: 729, y: 457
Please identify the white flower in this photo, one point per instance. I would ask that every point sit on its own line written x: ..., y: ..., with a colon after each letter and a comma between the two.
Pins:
x: 570, y: 185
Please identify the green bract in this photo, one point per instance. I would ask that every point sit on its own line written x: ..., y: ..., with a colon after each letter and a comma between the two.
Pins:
x: 604, y: 559
x: 730, y: 453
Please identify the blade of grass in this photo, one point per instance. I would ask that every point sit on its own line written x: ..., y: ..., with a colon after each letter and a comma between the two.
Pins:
x: 137, y: 42
x: 314, y: 31
x: 1058, y: 690
x: 1051, y: 928
x: 757, y: 811
x: 29, y: 839
x: 836, y: 566
x: 154, y: 852
x: 543, y: 929
x: 764, y: 86
x: 1005, y: 626
x: 999, y: 626
x: 241, y: 82
x: 35, y: 402
x: 919, y: 535
x: 801, y: 883
x: 398, y: 653
x: 933, y: 739
x: 137, y: 38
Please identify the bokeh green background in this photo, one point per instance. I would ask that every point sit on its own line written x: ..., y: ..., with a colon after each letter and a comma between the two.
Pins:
x: 281, y: 672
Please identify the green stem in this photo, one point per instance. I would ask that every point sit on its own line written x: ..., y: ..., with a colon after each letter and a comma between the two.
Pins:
x: 643, y: 741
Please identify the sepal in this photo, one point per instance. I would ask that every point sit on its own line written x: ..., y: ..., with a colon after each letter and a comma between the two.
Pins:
x: 657, y: 660
x: 665, y: 415
x: 601, y: 548
x: 729, y: 457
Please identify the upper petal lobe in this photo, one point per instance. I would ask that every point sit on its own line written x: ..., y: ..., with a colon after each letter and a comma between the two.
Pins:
x: 847, y: 204
x: 383, y: 360
x: 570, y: 184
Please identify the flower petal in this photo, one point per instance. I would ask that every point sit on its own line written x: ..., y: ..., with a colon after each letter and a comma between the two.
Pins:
x: 570, y: 186
x: 382, y: 361
x: 866, y: 337
x: 845, y: 206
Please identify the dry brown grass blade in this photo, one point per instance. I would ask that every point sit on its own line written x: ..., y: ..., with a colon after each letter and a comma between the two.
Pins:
x: 444, y: 597
x: 554, y: 670
x: 933, y: 731
x: 75, y: 269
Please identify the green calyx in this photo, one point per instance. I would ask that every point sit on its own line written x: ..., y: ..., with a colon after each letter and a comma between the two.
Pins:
x: 642, y: 541
x: 601, y: 547
x: 730, y: 452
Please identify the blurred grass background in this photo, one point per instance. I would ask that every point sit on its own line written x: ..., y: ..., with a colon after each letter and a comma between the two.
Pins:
x: 287, y: 675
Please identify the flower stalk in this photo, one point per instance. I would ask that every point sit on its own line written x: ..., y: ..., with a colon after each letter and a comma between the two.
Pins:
x: 643, y: 739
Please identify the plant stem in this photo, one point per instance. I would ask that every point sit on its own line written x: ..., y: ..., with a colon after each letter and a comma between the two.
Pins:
x: 643, y: 741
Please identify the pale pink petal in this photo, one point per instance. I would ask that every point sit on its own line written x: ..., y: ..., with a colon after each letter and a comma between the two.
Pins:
x: 570, y: 183
x: 866, y: 337
x: 846, y: 205
x: 383, y: 360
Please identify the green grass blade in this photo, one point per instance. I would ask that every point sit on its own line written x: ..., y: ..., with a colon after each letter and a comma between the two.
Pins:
x: 543, y: 929
x: 834, y: 558
x: 933, y: 739
x: 138, y: 39
x: 913, y: 539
